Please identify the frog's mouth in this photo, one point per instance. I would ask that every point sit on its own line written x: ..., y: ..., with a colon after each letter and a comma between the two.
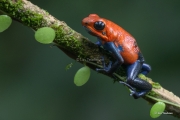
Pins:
x: 89, y: 30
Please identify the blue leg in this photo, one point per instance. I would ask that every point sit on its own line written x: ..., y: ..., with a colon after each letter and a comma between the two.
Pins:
x: 145, y: 69
x: 142, y: 86
x: 98, y: 43
x: 119, y: 60
x: 126, y: 84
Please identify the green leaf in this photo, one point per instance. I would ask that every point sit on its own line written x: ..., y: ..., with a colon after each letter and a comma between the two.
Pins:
x: 69, y: 66
x: 157, y: 109
x: 45, y: 35
x: 5, y: 22
x: 82, y: 76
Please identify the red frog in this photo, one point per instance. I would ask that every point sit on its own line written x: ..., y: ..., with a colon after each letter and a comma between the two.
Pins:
x: 124, y: 48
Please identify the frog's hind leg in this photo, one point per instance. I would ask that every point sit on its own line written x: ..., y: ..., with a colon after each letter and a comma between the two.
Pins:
x: 142, y: 86
x: 145, y: 69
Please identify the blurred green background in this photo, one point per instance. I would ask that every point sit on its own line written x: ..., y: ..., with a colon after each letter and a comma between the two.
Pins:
x: 34, y: 84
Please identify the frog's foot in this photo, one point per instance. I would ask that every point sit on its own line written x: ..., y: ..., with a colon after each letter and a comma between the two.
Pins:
x: 129, y: 86
x: 133, y: 92
x: 138, y: 94
x: 98, y: 43
x: 105, y: 69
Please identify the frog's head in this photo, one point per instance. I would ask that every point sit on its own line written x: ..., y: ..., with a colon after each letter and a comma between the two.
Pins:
x: 96, y: 26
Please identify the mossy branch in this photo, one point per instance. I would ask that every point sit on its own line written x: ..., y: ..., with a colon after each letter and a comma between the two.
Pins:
x: 80, y: 48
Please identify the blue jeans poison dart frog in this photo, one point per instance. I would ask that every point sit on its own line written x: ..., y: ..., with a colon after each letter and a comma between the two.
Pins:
x: 125, y: 50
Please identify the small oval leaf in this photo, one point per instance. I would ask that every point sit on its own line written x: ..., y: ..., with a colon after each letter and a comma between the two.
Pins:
x: 5, y: 22
x: 82, y: 76
x: 157, y: 109
x: 69, y: 66
x: 45, y: 35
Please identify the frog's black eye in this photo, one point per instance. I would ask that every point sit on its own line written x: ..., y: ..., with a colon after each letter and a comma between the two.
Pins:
x: 99, y: 25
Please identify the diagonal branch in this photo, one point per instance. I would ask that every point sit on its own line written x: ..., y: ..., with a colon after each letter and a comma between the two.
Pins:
x: 80, y: 48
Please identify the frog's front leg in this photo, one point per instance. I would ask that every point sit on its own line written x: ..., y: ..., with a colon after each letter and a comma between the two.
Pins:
x: 142, y: 86
x: 98, y: 43
x: 119, y: 60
